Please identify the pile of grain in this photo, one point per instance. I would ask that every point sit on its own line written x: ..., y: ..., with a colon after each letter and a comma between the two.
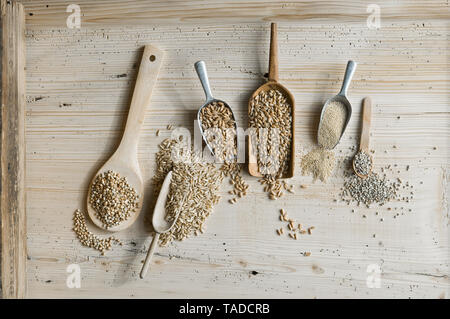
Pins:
x: 367, y: 191
x: 87, y: 238
x: 112, y: 198
x: 271, y: 114
x: 219, y: 128
x: 233, y: 172
x: 319, y: 163
x: 275, y: 187
x: 193, y: 190
x: 332, y: 124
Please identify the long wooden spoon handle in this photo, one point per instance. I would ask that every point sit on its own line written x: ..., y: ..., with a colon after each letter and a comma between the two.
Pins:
x: 273, y: 58
x: 149, y: 255
x: 366, y: 119
x: 146, y: 79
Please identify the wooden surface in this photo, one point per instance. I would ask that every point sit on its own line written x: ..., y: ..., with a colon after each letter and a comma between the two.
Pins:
x: 79, y: 84
x: 13, y: 218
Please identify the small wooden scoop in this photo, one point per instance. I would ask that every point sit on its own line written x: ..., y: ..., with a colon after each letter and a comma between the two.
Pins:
x: 160, y: 224
x: 365, y: 133
x: 124, y: 161
x: 272, y: 84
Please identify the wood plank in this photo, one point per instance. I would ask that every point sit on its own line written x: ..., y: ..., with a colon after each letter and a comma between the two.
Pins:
x: 144, y: 12
x: 13, y: 265
x: 79, y: 84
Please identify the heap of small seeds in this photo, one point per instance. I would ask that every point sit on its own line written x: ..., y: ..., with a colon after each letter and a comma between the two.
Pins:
x: 275, y: 187
x: 368, y: 190
x: 87, y: 238
x: 294, y: 228
x: 112, y: 198
x: 332, y: 124
x: 193, y: 190
x: 217, y: 121
x: 271, y: 114
x: 319, y: 163
x: 363, y: 163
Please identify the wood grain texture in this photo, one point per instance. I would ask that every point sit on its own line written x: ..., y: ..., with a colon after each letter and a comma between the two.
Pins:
x: 79, y: 84
x: 143, y: 12
x: 13, y: 217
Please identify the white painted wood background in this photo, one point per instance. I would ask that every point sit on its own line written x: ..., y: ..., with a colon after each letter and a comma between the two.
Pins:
x: 79, y: 84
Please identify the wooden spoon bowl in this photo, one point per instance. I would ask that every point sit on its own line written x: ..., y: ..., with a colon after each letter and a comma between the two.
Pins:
x: 272, y: 84
x: 124, y: 161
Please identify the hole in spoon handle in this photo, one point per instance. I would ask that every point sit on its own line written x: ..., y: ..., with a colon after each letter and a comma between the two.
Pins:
x: 145, y: 82
x: 273, y: 58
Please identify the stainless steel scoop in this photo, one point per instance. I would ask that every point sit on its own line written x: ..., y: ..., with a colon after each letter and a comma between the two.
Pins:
x: 200, y: 67
x: 160, y: 224
x: 341, y: 97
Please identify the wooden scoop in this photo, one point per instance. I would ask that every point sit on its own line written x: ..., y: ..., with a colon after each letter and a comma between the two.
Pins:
x: 272, y: 84
x: 160, y: 224
x: 365, y: 133
x: 124, y: 161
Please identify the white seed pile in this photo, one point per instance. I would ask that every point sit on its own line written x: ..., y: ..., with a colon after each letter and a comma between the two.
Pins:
x: 271, y: 114
x: 217, y: 119
x: 112, y: 198
x: 332, y: 124
x: 87, y: 238
x: 319, y: 163
x: 363, y: 163
x: 193, y: 190
x: 293, y: 227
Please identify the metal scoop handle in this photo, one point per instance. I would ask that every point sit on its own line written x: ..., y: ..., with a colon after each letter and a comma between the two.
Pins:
x: 200, y: 67
x: 349, y: 71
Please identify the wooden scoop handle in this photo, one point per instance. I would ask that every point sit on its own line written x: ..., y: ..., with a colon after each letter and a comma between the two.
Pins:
x: 149, y: 255
x: 273, y: 58
x: 146, y: 79
x: 366, y: 119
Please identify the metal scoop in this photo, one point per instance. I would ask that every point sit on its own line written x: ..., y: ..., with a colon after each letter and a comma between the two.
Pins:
x: 160, y: 224
x: 341, y: 97
x: 200, y: 67
x: 365, y: 135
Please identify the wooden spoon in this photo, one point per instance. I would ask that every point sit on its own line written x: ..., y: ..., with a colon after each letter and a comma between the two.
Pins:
x: 365, y: 134
x: 272, y: 84
x: 160, y: 224
x: 124, y: 161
